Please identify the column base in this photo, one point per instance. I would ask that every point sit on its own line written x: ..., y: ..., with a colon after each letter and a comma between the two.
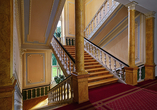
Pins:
x: 80, y: 87
x: 7, y: 97
x: 149, y: 72
x: 131, y: 75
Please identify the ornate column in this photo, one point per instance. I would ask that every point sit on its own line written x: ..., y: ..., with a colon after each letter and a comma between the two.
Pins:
x: 149, y: 65
x: 7, y: 81
x: 131, y: 71
x: 80, y: 77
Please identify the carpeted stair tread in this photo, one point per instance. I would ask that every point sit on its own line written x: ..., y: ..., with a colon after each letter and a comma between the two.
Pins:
x: 89, y: 60
x: 102, y: 82
x: 98, y: 73
x: 92, y: 66
x: 99, y: 77
x: 91, y: 63
x: 95, y: 69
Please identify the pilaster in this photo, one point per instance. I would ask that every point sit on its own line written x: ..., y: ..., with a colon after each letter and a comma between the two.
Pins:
x: 7, y: 81
x: 150, y: 65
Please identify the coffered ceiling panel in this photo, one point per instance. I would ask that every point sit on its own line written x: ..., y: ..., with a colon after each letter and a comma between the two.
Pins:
x: 40, y: 18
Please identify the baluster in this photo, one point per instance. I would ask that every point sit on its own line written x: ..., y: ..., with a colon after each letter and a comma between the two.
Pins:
x: 67, y: 66
x: 97, y: 53
x: 27, y: 94
x: 64, y: 91
x: 31, y: 93
x: 93, y: 23
x: 104, y: 9
x: 88, y: 47
x: 140, y: 73
x: 91, y: 27
x: 96, y: 19
x: 88, y: 30
x: 109, y: 62
x: 94, y: 51
x: 108, y: 5
x: 120, y: 72
x: 55, y: 95
x: 70, y: 87
x: 101, y: 56
x: 100, y: 14
x: 64, y: 60
x: 61, y: 92
x: 112, y: 2
x: 105, y: 59
x: 44, y: 91
x: 62, y: 57
x: 47, y: 88
x: 67, y: 90
x: 60, y: 53
x: 36, y: 92
x: 91, y: 48
x: 39, y: 91
x: 73, y: 67
x: 115, y: 66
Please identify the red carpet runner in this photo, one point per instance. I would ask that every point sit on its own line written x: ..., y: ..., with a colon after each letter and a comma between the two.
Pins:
x: 120, y: 97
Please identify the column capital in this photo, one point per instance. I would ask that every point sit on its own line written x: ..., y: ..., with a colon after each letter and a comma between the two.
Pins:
x: 131, y: 5
x: 150, y: 14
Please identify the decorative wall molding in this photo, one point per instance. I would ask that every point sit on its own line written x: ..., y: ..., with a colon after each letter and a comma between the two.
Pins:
x: 68, y: 20
x: 29, y: 81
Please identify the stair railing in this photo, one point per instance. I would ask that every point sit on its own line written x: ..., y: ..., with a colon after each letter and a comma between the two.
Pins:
x: 99, y: 18
x: 70, y: 40
x: 35, y: 92
x: 111, y: 63
x: 62, y: 92
x: 141, y: 73
x: 65, y: 60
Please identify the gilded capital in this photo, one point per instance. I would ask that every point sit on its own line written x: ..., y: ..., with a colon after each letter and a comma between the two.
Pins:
x: 150, y: 14
x: 131, y: 5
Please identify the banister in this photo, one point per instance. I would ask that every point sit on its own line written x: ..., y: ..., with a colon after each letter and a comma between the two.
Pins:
x: 37, y: 87
x: 59, y: 83
x: 107, y: 52
x: 96, y: 14
x: 65, y: 50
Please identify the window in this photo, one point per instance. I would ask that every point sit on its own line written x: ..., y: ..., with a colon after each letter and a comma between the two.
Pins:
x: 56, y: 69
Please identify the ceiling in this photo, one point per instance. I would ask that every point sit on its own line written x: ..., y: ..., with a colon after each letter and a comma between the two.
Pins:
x: 40, y: 18
x: 143, y: 6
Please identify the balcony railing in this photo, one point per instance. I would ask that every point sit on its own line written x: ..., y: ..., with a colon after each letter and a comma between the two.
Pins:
x: 35, y: 92
x: 99, y: 18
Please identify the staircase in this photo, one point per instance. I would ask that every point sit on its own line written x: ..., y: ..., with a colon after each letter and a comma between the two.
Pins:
x: 98, y: 75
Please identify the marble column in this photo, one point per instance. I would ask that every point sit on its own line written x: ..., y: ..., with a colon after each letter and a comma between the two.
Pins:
x: 150, y: 65
x: 7, y: 81
x: 131, y: 71
x: 80, y: 77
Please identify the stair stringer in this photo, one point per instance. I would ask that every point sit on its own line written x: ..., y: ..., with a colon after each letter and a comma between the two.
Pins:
x: 60, y: 64
x: 110, y: 71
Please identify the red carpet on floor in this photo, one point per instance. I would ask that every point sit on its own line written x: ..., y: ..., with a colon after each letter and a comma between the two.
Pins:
x: 120, y: 97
